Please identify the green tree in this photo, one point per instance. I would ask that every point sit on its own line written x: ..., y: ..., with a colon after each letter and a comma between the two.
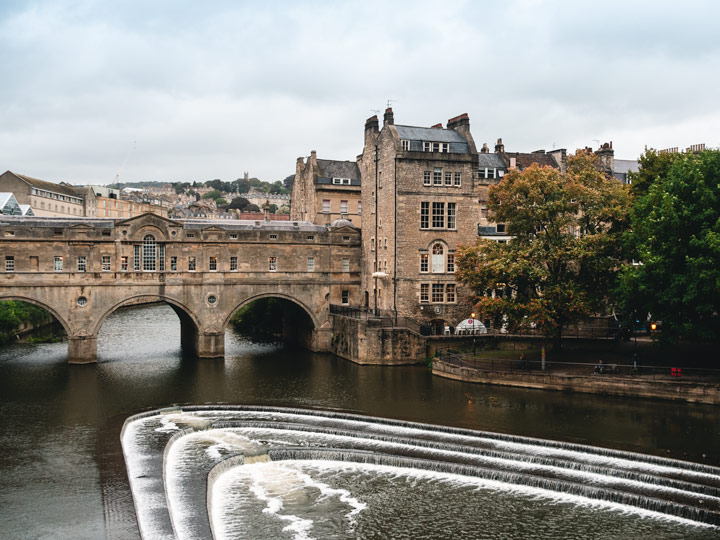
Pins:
x: 676, y: 235
x: 565, y: 250
x: 239, y: 203
x: 214, y: 195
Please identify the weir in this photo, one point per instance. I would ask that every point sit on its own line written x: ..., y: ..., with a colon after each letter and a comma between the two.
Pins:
x: 198, y: 441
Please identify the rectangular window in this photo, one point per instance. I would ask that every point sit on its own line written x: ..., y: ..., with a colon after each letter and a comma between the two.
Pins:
x: 233, y: 236
x: 57, y: 264
x: 345, y: 297
x: 272, y: 264
x: 438, y: 215
x: 123, y: 263
x: 450, y: 293
x: 212, y: 264
x: 311, y: 264
x: 424, y: 293
x: 483, y: 210
x: 190, y: 235
x: 149, y: 254
x: 437, y: 293
x: 326, y: 206
x: 106, y: 263
x: 161, y: 257
x: 343, y: 207
x: 437, y: 176
x: 457, y: 178
x: 424, y: 266
x: 448, y: 179
x: 500, y: 227
x: 82, y: 263
x: 451, y: 263
x: 445, y: 147
x: 405, y: 145
x: 310, y: 237
x: 424, y: 215
x: 346, y: 264
x: 192, y: 264
x: 490, y: 173
x: 451, y: 224
x: 233, y: 264
x: 9, y: 263
x: 380, y: 180
x: 427, y: 146
x: 359, y: 208
x: 372, y: 244
x: 273, y: 237
x: 426, y: 178
x: 136, y: 259
x: 173, y: 264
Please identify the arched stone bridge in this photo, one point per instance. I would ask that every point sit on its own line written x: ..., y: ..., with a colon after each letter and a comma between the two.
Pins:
x: 82, y: 270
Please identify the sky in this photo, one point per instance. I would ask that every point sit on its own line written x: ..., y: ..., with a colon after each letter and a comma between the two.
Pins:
x: 95, y: 91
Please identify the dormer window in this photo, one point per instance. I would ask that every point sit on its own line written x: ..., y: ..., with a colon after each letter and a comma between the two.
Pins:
x: 405, y: 145
x: 436, y: 147
x: 341, y: 181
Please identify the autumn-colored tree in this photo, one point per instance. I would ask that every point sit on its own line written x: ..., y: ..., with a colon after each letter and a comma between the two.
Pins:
x: 564, y: 254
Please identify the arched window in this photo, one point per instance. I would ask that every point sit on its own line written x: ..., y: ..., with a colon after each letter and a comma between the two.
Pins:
x: 149, y: 253
x: 438, y: 259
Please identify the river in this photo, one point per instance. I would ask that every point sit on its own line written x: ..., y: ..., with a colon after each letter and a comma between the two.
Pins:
x: 62, y: 472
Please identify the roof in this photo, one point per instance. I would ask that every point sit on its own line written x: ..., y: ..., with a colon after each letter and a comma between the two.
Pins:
x: 100, y: 223
x: 50, y: 186
x: 412, y: 133
x: 624, y: 166
x: 329, y: 168
x: 491, y: 161
x: 524, y: 160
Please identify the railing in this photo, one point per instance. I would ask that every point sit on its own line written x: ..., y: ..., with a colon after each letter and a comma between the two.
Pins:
x: 384, y: 321
x: 580, y: 369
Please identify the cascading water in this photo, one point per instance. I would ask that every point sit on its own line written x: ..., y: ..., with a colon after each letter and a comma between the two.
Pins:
x: 264, y: 472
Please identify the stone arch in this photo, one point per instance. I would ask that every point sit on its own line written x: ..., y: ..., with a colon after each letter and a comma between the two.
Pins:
x: 151, y: 229
x: 306, y: 309
x: 177, y: 306
x: 41, y: 304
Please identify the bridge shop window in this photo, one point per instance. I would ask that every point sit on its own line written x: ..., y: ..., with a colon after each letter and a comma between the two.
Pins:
x: 272, y: 264
x: 173, y: 264
x: 106, y: 263
x: 212, y: 264
x: 311, y: 264
x: 9, y: 263
x: 345, y: 297
x: 192, y: 264
x: 123, y: 263
x: 233, y: 264
x: 149, y: 253
x: 58, y: 263
x: 82, y: 263
x: 346, y: 264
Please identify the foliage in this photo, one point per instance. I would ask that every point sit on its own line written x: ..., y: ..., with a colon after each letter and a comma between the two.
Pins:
x: 13, y: 314
x: 220, y: 202
x: 239, y: 203
x: 652, y: 166
x: 676, y: 234
x: 565, y: 250
x: 288, y: 182
x: 266, y: 319
x: 214, y: 195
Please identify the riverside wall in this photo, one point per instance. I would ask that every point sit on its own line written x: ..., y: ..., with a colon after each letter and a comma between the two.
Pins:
x: 679, y: 390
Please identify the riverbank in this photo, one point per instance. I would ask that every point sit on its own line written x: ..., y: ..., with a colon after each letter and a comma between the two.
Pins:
x: 570, y: 379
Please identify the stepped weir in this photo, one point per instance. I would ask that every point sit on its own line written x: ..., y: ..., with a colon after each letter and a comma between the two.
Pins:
x: 314, y: 474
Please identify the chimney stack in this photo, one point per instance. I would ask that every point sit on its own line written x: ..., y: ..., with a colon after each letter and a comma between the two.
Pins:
x: 388, y: 118
x: 499, y: 147
x: 485, y: 149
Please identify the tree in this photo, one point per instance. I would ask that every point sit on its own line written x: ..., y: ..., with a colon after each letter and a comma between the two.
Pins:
x: 676, y: 233
x: 243, y: 186
x: 214, y: 195
x: 288, y: 182
x: 239, y: 203
x: 565, y: 250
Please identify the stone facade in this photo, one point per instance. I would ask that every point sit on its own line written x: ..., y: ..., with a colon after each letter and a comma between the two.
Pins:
x: 47, y: 198
x: 83, y: 270
x: 419, y: 196
x: 325, y: 190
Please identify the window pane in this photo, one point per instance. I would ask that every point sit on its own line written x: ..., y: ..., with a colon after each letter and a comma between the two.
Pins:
x: 149, y: 253
x: 437, y: 292
x: 438, y: 221
x: 424, y: 215
x: 424, y: 293
x: 423, y: 262
x: 451, y: 215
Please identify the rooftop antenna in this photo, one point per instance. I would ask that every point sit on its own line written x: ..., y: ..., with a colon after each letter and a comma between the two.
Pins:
x: 390, y: 102
x: 376, y: 111
x: 117, y: 176
x: 597, y: 141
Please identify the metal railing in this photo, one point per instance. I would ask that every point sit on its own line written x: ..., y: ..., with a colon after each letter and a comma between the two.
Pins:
x: 498, y: 364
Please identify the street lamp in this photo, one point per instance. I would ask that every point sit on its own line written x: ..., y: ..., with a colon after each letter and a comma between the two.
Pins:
x: 472, y: 318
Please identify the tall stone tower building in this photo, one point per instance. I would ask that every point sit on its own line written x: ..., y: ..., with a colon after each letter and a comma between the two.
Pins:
x: 420, y: 202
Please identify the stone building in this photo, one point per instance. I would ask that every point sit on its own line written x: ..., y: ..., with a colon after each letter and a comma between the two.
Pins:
x: 419, y: 199
x: 325, y: 190
x: 48, y: 199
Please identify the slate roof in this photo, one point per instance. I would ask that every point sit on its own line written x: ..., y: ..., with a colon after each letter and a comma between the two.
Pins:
x: 99, y: 223
x: 491, y: 161
x: 50, y: 186
x: 329, y: 168
x: 624, y: 166
x: 412, y: 133
x: 524, y: 160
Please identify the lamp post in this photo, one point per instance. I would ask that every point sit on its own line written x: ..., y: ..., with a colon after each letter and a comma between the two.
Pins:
x: 472, y: 324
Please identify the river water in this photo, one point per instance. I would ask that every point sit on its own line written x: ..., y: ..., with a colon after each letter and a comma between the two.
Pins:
x: 63, y: 473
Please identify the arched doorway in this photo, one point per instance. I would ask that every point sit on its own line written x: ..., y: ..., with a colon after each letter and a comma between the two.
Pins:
x: 22, y: 317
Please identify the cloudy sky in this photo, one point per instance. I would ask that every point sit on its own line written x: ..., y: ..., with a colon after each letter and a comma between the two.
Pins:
x: 181, y: 91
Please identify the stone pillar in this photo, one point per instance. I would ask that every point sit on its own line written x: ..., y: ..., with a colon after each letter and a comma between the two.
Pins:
x: 210, y: 345
x: 82, y: 349
x: 320, y: 339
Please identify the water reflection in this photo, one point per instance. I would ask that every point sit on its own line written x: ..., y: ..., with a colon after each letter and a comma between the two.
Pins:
x: 69, y: 417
